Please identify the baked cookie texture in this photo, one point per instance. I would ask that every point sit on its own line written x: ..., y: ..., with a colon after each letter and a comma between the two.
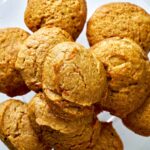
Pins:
x: 69, y: 15
x: 33, y: 52
x: 147, y: 77
x: 69, y: 111
x: 11, y: 82
x: 44, y: 114
x: 108, y: 139
x: 15, y: 128
x: 121, y: 20
x: 78, y: 133
x: 70, y: 72
x: 139, y: 121
x: 126, y: 66
x: 88, y: 139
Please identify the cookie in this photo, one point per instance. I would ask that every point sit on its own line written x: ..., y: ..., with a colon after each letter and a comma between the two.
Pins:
x: 33, y: 52
x: 86, y: 141
x: 108, y: 139
x: 70, y: 72
x: 120, y: 20
x: 42, y: 111
x: 11, y: 82
x: 125, y: 64
x: 15, y: 128
x: 69, y: 15
x: 61, y: 134
x: 139, y: 121
x: 69, y: 111
x: 147, y: 77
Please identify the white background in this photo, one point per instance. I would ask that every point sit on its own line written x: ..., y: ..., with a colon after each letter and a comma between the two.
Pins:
x: 11, y: 15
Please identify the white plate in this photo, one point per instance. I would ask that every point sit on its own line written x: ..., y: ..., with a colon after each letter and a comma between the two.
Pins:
x: 11, y: 15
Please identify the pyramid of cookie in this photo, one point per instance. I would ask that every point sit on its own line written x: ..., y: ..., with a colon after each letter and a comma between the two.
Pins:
x: 73, y: 83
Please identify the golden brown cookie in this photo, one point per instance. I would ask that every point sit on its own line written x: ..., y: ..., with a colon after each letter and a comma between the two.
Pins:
x: 86, y: 141
x: 108, y: 139
x: 61, y: 134
x: 69, y: 111
x: 15, y: 128
x: 69, y: 15
x: 42, y: 111
x: 120, y: 20
x: 70, y: 72
x: 33, y: 52
x: 11, y: 82
x: 125, y: 64
x: 139, y: 121
x: 147, y: 77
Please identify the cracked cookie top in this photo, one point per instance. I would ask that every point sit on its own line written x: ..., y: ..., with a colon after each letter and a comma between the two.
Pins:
x: 120, y: 20
x: 72, y: 73
x: 33, y: 52
x: 11, y: 82
x: 15, y: 128
x: 69, y: 15
x: 125, y: 63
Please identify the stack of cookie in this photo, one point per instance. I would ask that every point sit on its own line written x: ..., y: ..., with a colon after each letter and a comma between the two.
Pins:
x: 74, y: 84
x: 121, y: 42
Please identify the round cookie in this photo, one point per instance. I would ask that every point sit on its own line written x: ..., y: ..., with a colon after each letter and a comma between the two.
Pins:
x: 15, y: 128
x: 125, y: 64
x: 69, y: 15
x: 108, y: 139
x: 60, y: 133
x: 121, y: 20
x: 70, y: 72
x: 33, y: 52
x: 11, y: 82
x: 139, y: 121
